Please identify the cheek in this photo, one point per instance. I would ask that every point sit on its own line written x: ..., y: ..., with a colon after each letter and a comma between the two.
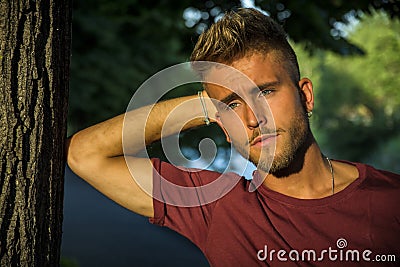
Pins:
x: 285, y: 106
x: 230, y: 118
x: 234, y: 126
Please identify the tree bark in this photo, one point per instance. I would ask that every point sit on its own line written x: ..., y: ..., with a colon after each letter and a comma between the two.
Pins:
x: 35, y: 40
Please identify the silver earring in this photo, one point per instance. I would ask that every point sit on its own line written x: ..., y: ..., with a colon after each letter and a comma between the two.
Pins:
x: 309, y: 114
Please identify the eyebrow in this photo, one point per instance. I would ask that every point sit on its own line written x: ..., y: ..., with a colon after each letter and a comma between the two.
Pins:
x: 233, y: 96
x: 264, y: 86
x: 229, y: 98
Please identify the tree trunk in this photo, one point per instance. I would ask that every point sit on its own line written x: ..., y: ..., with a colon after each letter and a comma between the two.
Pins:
x: 35, y: 39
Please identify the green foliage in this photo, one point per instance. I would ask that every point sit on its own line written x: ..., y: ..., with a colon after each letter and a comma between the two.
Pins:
x: 387, y: 155
x: 315, y: 23
x: 119, y: 44
x: 357, y: 98
x: 116, y: 47
x: 66, y: 262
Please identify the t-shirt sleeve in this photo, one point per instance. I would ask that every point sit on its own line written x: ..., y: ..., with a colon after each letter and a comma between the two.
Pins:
x: 184, y: 199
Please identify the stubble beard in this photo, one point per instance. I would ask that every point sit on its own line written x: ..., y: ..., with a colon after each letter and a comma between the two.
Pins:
x: 270, y: 162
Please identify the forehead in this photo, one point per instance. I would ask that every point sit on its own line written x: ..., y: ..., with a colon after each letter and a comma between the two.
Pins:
x: 243, y: 74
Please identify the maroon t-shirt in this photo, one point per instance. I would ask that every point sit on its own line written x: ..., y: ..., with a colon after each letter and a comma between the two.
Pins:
x: 358, y: 226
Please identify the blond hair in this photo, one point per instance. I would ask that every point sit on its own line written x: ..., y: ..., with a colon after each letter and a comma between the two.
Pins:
x: 242, y: 32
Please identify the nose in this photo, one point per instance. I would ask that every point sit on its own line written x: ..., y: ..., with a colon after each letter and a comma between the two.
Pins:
x: 254, y: 117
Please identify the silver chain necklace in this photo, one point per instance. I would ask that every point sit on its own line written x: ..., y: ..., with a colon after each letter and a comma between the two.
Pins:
x: 332, y: 174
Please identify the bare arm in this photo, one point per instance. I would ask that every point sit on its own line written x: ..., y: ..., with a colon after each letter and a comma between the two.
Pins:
x: 96, y: 154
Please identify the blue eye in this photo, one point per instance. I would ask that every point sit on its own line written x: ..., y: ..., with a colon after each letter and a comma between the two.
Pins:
x: 232, y: 105
x: 265, y: 92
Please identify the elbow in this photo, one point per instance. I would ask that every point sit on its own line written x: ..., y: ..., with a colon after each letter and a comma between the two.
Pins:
x: 71, y: 153
x: 81, y: 157
x: 75, y: 153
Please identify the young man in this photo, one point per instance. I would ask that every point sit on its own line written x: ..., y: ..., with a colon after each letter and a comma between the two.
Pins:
x: 300, y: 209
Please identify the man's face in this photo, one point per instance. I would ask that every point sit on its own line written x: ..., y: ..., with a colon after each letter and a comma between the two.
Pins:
x: 262, y: 114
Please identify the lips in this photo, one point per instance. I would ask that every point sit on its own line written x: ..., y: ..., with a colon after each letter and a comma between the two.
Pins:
x: 263, y: 139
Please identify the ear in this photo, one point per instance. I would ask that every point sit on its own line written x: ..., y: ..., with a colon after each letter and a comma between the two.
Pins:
x: 306, y: 89
x: 219, y: 122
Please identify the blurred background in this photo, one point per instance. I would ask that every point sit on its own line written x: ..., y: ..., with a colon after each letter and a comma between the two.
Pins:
x: 349, y: 49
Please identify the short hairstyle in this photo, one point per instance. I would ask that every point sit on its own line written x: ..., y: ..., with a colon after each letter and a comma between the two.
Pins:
x: 239, y: 33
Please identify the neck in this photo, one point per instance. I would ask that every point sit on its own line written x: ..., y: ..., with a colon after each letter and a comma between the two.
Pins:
x: 308, y: 177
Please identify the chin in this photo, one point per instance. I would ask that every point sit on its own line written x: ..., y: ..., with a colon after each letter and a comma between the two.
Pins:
x: 273, y: 164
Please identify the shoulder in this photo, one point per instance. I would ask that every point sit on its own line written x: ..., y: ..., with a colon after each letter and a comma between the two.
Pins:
x: 190, y: 187
x: 367, y: 183
x: 367, y: 174
x: 380, y: 185
x: 173, y: 172
x: 377, y: 177
x: 380, y: 191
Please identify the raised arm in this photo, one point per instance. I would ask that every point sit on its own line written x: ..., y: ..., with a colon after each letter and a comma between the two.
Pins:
x: 96, y: 154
